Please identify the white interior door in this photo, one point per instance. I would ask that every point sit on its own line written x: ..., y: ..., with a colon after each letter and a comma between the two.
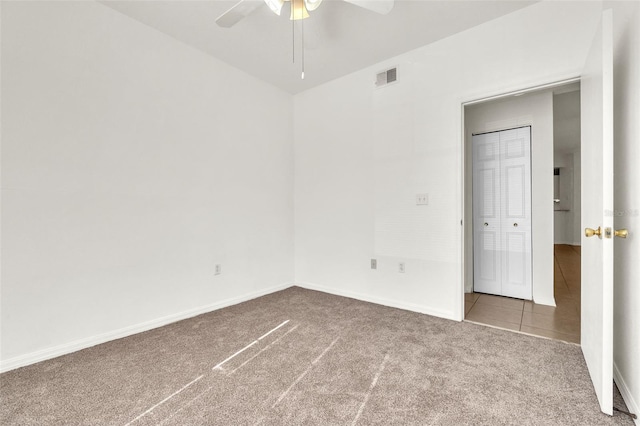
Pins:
x: 515, y: 168
x: 597, y: 212
x: 487, y: 243
x: 502, y: 212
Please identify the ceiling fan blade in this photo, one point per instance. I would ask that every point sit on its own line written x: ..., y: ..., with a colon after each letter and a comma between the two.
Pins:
x: 238, y: 12
x: 379, y: 6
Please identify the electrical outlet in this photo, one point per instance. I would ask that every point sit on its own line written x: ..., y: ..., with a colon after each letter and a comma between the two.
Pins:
x: 422, y: 199
x: 218, y: 269
x: 401, y: 267
x: 374, y: 264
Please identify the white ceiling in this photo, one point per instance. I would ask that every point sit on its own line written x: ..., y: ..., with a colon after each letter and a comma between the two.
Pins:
x: 340, y: 38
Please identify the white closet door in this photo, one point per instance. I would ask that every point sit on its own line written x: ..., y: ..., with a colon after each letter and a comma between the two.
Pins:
x: 515, y: 165
x: 487, y: 242
x: 502, y: 213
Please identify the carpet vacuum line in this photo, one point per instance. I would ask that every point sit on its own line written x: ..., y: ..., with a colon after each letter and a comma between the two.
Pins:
x: 373, y: 385
x: 314, y: 362
x: 248, y: 346
x: 262, y: 350
x: 198, y: 396
x: 166, y: 399
x: 201, y: 376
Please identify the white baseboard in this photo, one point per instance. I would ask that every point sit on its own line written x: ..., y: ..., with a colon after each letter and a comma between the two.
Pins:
x: 545, y: 301
x: 380, y: 301
x: 67, y: 348
x: 632, y: 404
x: 573, y: 243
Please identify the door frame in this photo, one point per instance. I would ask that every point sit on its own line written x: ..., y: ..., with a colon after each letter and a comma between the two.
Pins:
x: 467, y: 261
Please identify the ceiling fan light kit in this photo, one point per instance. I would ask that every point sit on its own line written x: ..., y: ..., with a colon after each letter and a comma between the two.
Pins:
x: 245, y: 7
x: 299, y: 10
x: 275, y: 5
x: 312, y: 5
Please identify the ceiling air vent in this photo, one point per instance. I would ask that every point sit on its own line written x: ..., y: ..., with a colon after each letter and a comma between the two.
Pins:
x: 385, y: 77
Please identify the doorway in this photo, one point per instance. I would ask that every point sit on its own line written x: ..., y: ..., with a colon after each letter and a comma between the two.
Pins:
x: 554, y: 307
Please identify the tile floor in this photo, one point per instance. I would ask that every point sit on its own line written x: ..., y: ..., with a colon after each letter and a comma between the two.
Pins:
x: 561, y: 322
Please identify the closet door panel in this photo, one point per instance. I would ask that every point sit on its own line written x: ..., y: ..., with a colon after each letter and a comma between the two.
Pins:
x: 486, y: 206
x: 515, y: 164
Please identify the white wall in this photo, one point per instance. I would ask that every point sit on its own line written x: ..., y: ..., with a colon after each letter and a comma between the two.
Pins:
x: 626, y: 338
x: 362, y: 154
x: 566, y: 223
x: 536, y: 110
x: 131, y: 164
x: 566, y: 133
x: 562, y: 219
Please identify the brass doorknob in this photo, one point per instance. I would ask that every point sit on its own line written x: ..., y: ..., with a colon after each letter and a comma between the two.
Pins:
x: 588, y: 232
x: 621, y: 233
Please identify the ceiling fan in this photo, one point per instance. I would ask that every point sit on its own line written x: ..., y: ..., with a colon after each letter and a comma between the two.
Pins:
x: 299, y: 9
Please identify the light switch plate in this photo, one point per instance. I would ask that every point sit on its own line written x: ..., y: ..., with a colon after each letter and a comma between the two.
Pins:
x: 422, y: 199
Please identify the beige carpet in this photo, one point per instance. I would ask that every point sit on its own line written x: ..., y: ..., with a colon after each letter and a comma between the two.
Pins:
x: 303, y: 357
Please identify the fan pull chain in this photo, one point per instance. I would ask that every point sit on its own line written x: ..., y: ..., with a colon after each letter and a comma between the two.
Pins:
x: 293, y: 38
x: 302, y: 32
